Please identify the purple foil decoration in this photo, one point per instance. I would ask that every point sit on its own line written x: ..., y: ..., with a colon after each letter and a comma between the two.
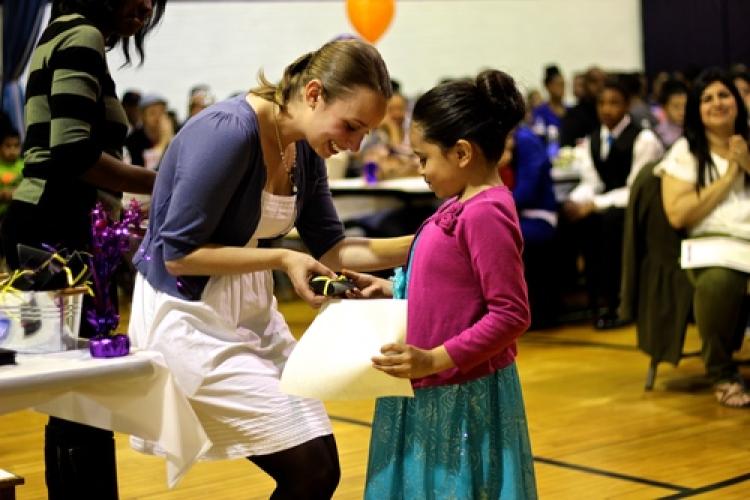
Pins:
x: 110, y: 240
x: 109, y: 346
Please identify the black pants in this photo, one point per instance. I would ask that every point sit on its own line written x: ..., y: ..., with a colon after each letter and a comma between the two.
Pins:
x: 79, y: 459
x: 599, y: 238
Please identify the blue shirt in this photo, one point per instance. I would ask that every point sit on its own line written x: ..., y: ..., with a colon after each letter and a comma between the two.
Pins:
x: 208, y: 191
x: 533, y: 188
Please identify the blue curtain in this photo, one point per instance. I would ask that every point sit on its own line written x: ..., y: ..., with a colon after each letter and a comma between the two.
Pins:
x: 22, y: 20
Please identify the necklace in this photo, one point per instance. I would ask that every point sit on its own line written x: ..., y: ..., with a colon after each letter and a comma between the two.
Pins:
x: 288, y: 166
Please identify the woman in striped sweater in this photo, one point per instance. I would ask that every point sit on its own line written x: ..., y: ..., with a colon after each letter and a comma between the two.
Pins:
x: 75, y: 131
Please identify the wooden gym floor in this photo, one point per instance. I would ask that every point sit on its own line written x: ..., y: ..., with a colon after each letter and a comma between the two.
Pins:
x: 595, y: 432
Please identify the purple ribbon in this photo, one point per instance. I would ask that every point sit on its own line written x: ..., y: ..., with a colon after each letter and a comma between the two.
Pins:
x: 109, y: 346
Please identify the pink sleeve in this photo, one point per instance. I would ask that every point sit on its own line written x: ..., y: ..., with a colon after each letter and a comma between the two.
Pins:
x: 491, y: 235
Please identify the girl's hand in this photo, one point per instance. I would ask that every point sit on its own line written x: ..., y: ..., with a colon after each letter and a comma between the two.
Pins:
x: 300, y: 267
x: 738, y: 151
x: 407, y: 361
x: 368, y: 286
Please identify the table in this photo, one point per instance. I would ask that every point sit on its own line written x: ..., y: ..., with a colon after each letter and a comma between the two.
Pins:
x: 407, y: 187
x: 355, y: 198
x: 564, y: 180
x: 135, y: 395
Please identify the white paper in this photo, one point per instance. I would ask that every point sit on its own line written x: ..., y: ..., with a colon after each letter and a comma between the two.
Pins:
x: 716, y: 251
x: 332, y: 361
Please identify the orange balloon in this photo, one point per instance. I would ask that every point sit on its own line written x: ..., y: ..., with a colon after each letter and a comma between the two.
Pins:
x: 370, y: 17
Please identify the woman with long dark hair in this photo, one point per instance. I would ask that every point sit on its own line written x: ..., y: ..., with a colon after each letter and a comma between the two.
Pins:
x: 706, y: 191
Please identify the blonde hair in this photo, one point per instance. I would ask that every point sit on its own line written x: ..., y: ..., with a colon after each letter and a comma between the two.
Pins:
x: 340, y: 65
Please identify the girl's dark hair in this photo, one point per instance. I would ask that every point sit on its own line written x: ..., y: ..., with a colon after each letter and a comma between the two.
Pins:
x: 550, y: 73
x: 340, y: 65
x: 695, y: 129
x: 483, y: 111
x: 102, y: 14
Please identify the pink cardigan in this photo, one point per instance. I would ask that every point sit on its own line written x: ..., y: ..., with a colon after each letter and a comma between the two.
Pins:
x: 466, y: 286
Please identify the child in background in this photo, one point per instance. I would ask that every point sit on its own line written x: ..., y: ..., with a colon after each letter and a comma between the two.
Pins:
x: 464, y: 434
x: 672, y: 99
x: 608, y: 159
x: 11, y: 167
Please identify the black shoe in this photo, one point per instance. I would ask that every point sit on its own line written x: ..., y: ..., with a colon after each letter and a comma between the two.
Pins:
x: 609, y: 322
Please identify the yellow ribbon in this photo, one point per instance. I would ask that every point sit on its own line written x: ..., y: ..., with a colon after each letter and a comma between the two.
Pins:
x: 328, y: 281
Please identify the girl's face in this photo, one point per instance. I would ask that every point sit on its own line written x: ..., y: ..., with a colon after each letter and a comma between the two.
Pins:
x: 132, y: 16
x: 439, y: 168
x: 718, y: 108
x: 341, y: 124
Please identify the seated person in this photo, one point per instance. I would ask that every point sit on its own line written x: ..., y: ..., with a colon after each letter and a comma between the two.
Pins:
x: 200, y: 98
x: 387, y: 151
x: 11, y: 166
x: 547, y: 117
x: 131, y: 103
x: 609, y: 159
x: 388, y: 145
x: 147, y: 142
x: 672, y: 101
x: 581, y: 119
x: 639, y: 108
x: 742, y: 82
x: 525, y: 169
x: 706, y: 191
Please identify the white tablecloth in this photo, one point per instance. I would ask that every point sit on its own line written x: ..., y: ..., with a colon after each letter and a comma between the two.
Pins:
x: 133, y: 395
x: 414, y: 185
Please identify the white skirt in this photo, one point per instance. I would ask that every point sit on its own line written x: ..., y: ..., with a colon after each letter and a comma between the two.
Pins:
x: 227, y: 352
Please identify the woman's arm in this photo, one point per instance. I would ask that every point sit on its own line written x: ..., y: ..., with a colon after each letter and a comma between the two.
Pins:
x: 685, y: 207
x: 110, y: 173
x: 222, y: 260
x: 368, y: 254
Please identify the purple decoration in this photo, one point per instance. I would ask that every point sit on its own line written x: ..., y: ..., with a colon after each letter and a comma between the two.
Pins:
x: 110, y: 240
x: 109, y: 346
x: 370, y: 171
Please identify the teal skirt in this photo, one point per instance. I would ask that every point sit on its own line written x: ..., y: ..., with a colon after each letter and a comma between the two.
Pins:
x: 463, y: 441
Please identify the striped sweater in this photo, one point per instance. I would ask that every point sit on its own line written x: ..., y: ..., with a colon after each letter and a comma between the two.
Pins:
x: 72, y: 113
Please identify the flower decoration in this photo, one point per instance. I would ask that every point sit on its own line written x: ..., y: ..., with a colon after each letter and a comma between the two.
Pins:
x: 447, y: 218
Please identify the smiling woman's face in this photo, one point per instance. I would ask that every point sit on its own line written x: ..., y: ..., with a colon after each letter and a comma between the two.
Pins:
x: 341, y: 124
x: 718, y: 108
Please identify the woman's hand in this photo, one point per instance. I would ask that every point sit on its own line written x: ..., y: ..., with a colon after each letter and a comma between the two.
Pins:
x: 300, y: 267
x: 738, y: 151
x: 407, y: 361
x: 368, y: 286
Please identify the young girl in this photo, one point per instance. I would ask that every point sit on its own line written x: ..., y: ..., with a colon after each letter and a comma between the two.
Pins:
x: 464, y: 434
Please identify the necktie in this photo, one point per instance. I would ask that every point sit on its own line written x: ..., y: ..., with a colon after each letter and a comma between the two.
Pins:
x: 610, y: 141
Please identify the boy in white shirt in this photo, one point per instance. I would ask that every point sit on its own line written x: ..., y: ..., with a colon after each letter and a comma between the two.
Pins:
x: 609, y: 160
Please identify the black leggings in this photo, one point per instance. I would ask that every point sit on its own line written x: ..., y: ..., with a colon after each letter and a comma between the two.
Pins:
x: 307, y: 471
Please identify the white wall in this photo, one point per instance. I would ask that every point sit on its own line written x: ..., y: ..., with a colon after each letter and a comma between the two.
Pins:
x: 224, y: 44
